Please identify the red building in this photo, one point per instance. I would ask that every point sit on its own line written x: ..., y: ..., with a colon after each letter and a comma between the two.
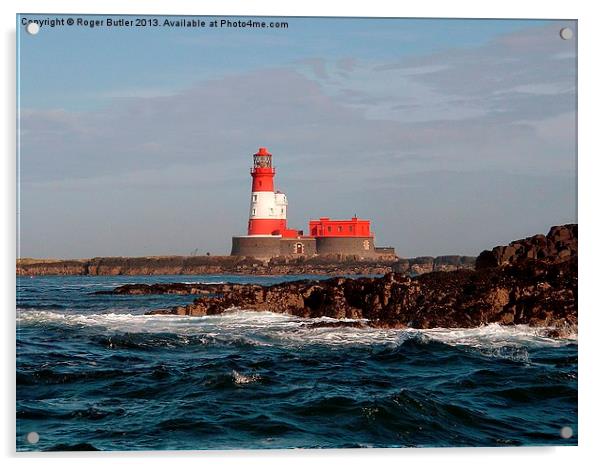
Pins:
x: 325, y: 227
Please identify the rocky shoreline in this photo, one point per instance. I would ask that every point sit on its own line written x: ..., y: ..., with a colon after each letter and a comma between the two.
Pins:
x: 230, y: 265
x: 531, y: 281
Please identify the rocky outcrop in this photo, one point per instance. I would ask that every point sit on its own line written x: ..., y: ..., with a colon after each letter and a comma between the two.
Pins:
x: 535, y: 285
x: 231, y: 265
x: 559, y: 245
x: 52, y: 267
x: 533, y: 293
x: 426, y: 264
x: 204, y: 265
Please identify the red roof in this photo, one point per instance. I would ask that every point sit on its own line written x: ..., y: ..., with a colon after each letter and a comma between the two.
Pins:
x: 263, y: 151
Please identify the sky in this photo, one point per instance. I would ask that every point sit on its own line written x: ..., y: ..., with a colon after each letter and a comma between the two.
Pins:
x: 452, y: 136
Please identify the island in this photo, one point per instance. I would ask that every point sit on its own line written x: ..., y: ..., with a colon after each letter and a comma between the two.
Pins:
x: 532, y: 281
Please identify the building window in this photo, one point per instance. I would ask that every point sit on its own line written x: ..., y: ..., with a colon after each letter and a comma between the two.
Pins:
x: 350, y: 228
x: 299, y: 248
x: 329, y: 229
x: 254, y: 197
x: 253, y: 212
x: 271, y: 211
x: 281, y: 210
x: 340, y: 228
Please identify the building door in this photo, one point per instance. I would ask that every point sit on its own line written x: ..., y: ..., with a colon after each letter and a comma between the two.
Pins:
x: 299, y: 248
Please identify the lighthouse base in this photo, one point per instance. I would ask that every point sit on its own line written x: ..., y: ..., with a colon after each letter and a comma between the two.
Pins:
x: 266, y: 247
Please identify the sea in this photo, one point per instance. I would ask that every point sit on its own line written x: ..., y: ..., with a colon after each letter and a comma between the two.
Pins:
x: 95, y: 373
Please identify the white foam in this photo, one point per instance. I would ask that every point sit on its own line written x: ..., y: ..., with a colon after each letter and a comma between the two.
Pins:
x: 496, y: 335
x: 240, y: 379
x: 267, y: 328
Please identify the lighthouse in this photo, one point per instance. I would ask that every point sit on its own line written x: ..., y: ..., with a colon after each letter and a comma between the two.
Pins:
x: 268, y: 235
x: 267, y: 214
x: 267, y: 232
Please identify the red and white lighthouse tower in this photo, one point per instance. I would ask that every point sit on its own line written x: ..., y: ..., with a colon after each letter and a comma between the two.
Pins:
x: 267, y: 215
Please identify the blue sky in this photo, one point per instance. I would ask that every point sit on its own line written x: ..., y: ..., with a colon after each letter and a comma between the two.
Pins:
x: 451, y: 135
x: 89, y: 66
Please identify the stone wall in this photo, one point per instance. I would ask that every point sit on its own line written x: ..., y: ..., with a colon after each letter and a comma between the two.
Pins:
x: 346, y: 246
x: 290, y: 247
x: 261, y: 247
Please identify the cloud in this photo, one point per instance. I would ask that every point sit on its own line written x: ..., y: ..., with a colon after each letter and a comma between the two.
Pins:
x: 500, y: 79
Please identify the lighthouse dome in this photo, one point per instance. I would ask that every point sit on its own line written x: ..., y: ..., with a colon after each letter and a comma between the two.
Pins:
x: 263, y: 151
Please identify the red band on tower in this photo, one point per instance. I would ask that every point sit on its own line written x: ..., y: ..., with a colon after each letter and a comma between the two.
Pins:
x: 266, y: 226
x: 263, y: 179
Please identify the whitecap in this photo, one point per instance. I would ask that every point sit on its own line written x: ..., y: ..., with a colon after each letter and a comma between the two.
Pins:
x: 240, y: 379
x: 269, y: 329
x: 496, y: 335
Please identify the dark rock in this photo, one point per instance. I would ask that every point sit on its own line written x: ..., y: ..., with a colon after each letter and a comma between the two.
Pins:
x: 533, y: 293
x: 560, y: 244
x: 486, y: 259
x: 530, y: 288
x: 199, y: 265
x: 206, y: 265
x: 425, y: 264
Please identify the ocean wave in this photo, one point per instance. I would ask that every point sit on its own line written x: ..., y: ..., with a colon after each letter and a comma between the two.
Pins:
x: 267, y: 328
x: 496, y: 335
x: 42, y: 306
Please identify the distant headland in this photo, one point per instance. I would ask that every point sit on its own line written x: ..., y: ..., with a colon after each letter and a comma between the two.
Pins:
x: 239, y: 265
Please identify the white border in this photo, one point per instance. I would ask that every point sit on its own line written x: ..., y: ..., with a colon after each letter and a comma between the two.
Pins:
x: 589, y: 215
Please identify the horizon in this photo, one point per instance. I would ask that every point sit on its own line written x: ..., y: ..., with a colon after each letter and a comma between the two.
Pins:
x: 451, y: 136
